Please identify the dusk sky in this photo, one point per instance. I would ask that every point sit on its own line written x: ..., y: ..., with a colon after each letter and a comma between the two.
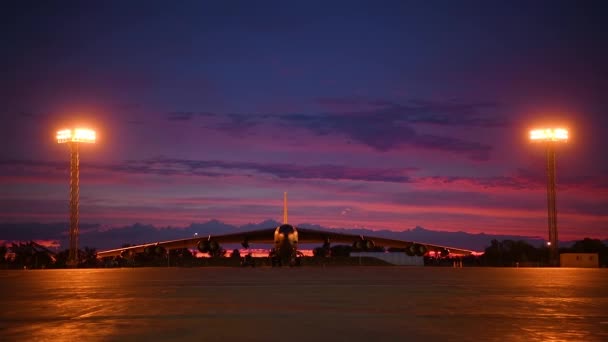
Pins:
x: 372, y: 114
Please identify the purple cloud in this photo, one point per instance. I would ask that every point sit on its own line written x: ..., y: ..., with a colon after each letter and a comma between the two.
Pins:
x: 217, y: 168
x: 325, y: 171
x: 414, y: 111
x: 379, y: 124
x: 186, y: 115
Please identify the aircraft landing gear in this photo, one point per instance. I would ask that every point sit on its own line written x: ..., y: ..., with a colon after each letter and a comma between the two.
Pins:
x: 296, y: 260
x: 248, y: 260
x: 275, y: 260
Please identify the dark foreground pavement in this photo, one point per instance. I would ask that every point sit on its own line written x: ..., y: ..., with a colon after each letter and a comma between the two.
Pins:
x: 305, y: 304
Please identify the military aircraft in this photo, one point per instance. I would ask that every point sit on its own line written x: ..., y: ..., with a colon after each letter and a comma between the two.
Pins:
x: 285, y: 239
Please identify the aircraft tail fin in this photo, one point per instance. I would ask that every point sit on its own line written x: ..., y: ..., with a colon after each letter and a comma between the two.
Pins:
x: 285, y: 207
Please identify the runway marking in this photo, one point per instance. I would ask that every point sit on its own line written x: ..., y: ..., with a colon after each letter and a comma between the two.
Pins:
x: 88, y: 314
x: 299, y: 285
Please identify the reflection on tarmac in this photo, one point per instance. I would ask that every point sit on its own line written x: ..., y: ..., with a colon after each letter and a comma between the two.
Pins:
x: 391, y: 303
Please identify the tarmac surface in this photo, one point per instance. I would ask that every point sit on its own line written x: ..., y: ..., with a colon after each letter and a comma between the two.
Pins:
x: 305, y: 304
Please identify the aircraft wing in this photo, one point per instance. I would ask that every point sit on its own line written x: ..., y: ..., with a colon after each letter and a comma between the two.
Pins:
x: 321, y: 236
x: 267, y: 236
x: 259, y: 236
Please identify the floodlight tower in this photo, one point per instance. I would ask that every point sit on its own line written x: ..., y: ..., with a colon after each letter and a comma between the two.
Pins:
x: 550, y: 137
x: 73, y: 137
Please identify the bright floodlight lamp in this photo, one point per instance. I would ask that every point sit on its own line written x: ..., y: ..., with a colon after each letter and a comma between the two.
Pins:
x: 74, y: 137
x: 551, y: 136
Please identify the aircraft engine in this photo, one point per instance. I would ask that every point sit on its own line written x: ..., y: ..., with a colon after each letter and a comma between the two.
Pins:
x: 214, y: 246
x: 416, y: 249
x: 203, y: 246
x: 358, y: 244
x: 421, y: 250
x: 444, y: 252
x: 363, y: 244
x: 126, y: 254
x: 209, y: 246
x: 155, y: 250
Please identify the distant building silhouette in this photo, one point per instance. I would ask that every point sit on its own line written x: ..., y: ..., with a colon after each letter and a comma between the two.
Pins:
x: 585, y: 260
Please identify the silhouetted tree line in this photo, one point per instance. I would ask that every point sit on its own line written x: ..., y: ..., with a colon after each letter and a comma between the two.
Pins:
x: 181, y: 257
x: 513, y: 253
x: 509, y: 253
x: 31, y: 255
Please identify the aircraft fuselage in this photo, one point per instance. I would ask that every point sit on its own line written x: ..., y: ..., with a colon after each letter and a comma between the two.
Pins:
x: 285, y: 244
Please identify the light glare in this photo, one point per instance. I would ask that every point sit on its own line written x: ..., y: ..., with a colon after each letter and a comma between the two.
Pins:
x: 77, y: 135
x: 549, y: 134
